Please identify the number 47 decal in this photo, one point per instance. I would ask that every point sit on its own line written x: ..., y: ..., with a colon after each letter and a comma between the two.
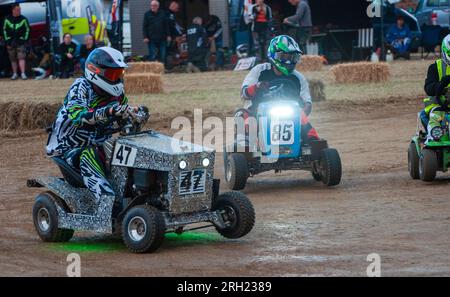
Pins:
x: 124, y: 155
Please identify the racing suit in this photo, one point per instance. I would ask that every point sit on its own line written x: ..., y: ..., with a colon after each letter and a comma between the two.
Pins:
x: 293, y: 85
x: 81, y: 127
x: 436, y: 105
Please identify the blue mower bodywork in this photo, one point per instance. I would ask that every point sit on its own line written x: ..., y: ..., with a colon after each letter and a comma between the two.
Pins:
x: 276, y: 144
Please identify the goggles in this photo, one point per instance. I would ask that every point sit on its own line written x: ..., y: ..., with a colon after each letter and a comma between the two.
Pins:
x: 111, y: 74
x: 287, y: 58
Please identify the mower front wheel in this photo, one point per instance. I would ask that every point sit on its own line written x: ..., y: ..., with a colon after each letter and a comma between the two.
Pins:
x: 236, y: 171
x: 237, y: 212
x: 413, y: 161
x: 143, y: 229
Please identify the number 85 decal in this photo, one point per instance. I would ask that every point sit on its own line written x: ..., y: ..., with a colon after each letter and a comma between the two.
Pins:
x: 124, y: 155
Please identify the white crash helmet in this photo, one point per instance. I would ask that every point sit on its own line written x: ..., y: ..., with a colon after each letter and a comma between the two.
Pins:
x: 242, y: 51
x: 105, y: 68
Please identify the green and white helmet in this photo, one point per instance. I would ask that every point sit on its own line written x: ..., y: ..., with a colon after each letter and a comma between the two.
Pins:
x: 284, y: 53
x: 445, y: 49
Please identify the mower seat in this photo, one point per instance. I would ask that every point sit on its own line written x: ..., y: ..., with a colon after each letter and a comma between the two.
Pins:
x: 71, y: 176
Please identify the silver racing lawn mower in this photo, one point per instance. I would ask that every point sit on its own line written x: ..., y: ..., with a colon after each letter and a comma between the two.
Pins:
x: 162, y: 185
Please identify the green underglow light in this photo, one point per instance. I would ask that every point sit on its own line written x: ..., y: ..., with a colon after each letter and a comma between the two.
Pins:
x: 96, y: 245
x: 90, y: 246
x: 194, y: 237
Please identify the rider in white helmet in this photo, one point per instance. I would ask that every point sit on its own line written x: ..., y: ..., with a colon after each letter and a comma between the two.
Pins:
x: 94, y: 106
x: 436, y: 85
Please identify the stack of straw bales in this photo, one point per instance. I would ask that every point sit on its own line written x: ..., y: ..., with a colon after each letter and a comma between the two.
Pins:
x: 361, y: 72
x: 27, y: 115
x: 144, y: 77
x: 145, y: 67
x: 143, y: 83
x: 310, y: 63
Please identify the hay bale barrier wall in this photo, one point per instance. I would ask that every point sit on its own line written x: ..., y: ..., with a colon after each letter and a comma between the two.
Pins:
x: 317, y: 90
x: 310, y: 63
x: 361, y: 72
x: 145, y: 67
x: 143, y: 83
x: 27, y: 115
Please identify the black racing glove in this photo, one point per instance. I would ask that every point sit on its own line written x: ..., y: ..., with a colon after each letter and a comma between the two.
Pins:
x: 119, y: 111
x: 443, y: 85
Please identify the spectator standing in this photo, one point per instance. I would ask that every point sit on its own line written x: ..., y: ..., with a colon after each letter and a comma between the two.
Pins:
x: 214, y: 31
x: 156, y: 32
x: 197, y: 46
x: 261, y: 27
x: 86, y: 49
x: 399, y: 38
x: 300, y: 23
x: 67, y: 51
x: 16, y: 31
x: 3, y: 57
x: 175, y: 29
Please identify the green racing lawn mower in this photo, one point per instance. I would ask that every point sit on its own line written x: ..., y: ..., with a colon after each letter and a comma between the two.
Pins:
x: 426, y: 158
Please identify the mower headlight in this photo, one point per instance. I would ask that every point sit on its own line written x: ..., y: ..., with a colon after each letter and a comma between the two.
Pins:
x: 437, y: 133
x: 282, y: 111
x: 205, y: 162
x: 182, y: 165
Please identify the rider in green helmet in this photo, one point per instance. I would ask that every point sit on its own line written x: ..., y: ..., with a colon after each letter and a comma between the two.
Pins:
x: 436, y: 85
x: 283, y: 54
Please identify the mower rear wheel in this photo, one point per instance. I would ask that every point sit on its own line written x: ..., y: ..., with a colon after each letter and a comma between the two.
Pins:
x: 45, y: 219
x: 331, y: 171
x: 428, y: 165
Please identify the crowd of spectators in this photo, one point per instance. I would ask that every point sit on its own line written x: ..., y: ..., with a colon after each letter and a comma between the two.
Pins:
x: 204, y: 37
x: 18, y: 57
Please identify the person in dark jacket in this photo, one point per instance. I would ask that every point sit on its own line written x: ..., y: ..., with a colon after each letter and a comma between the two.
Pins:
x: 174, y: 27
x: 197, y: 46
x: 86, y: 49
x: 214, y: 30
x: 67, y: 51
x: 156, y: 32
x: 16, y: 31
x: 261, y: 27
x: 300, y: 23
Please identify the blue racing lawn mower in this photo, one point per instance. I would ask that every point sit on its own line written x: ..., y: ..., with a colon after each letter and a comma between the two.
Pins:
x: 275, y: 143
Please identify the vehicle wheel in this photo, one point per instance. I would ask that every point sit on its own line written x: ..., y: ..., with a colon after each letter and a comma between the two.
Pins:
x: 317, y: 176
x: 143, y: 229
x: 236, y: 171
x: 331, y: 171
x: 237, y: 212
x: 428, y: 165
x: 45, y: 219
x: 413, y: 161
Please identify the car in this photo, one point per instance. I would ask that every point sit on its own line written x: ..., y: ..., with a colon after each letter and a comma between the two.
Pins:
x: 161, y: 185
x: 278, y: 145
x: 425, y: 159
x: 433, y: 13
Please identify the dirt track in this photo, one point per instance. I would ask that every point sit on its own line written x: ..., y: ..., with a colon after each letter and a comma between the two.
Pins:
x: 302, y: 227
